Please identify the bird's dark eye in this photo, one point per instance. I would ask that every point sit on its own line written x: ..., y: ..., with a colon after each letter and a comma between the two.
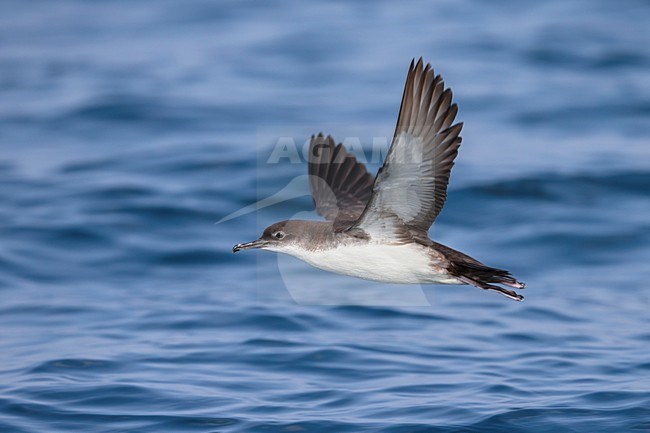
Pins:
x: 278, y: 235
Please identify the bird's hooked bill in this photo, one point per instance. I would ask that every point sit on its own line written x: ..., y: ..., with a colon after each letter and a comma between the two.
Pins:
x: 259, y: 243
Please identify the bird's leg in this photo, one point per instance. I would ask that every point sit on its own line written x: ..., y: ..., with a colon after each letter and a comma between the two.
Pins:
x: 505, y: 292
x: 485, y: 286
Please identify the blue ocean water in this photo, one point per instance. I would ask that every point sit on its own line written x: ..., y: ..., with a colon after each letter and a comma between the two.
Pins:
x: 127, y: 129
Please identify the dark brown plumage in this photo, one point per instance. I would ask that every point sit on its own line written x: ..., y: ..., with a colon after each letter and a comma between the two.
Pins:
x: 340, y: 185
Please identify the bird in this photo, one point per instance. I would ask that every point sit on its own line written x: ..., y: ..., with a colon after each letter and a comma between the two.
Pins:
x: 376, y: 228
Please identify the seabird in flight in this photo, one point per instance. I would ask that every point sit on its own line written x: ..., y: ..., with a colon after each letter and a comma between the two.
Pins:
x: 377, y: 229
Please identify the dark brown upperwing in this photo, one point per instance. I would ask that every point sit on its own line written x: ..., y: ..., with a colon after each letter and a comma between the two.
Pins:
x: 340, y: 185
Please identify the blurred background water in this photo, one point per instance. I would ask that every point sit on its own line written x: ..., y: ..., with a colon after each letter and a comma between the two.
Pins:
x: 128, y: 128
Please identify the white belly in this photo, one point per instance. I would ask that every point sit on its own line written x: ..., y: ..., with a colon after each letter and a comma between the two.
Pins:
x: 399, y: 264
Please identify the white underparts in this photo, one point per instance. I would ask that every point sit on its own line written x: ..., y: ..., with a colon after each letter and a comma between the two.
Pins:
x: 398, y: 264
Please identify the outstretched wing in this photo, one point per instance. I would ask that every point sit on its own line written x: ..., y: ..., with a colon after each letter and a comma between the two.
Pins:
x: 340, y: 185
x: 411, y: 187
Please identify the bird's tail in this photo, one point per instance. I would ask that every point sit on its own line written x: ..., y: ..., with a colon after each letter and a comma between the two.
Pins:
x: 484, y: 277
x: 471, y: 271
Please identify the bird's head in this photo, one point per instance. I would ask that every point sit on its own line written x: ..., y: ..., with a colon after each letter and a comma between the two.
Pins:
x: 280, y: 237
